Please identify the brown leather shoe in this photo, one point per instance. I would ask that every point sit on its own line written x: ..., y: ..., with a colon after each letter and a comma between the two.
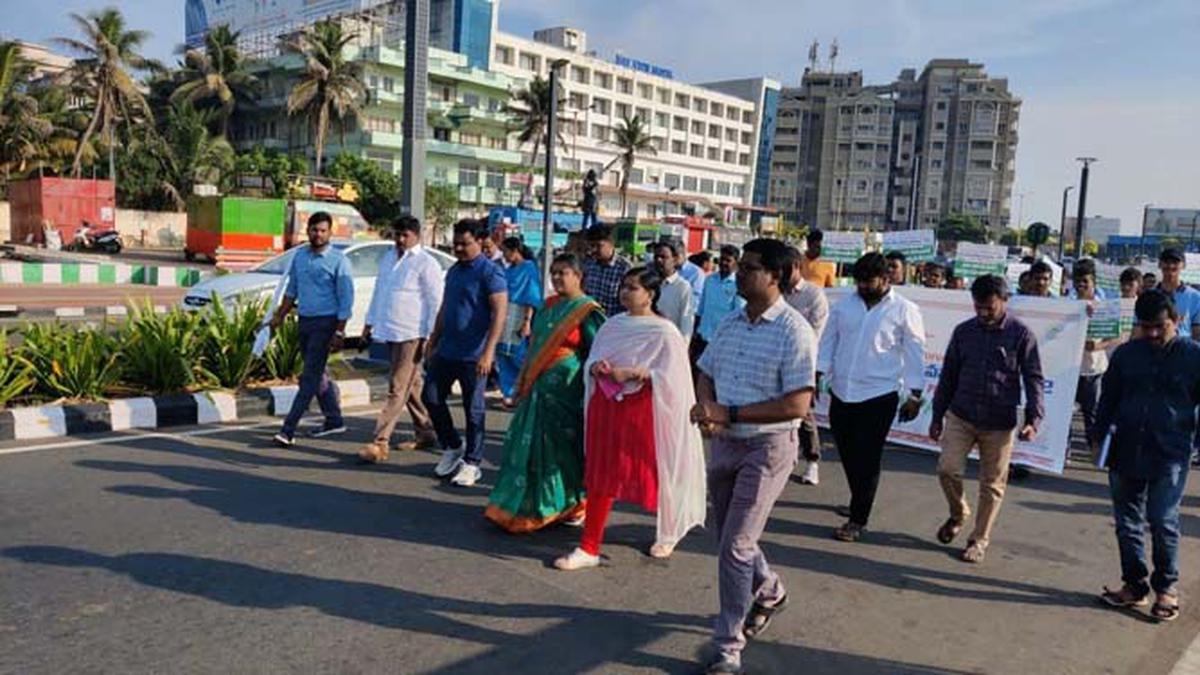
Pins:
x: 419, y: 443
x: 374, y: 452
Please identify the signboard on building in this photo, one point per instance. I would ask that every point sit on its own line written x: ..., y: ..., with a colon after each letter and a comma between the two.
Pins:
x: 842, y: 247
x: 1178, y: 223
x: 644, y: 67
x: 916, y: 245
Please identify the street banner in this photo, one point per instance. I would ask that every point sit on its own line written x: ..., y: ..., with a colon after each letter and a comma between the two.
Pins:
x: 976, y: 260
x: 1127, y: 315
x: 1060, y: 326
x: 842, y: 247
x: 1012, y: 274
x: 1108, y: 278
x: 1105, y: 322
x: 1191, y: 269
x: 916, y: 245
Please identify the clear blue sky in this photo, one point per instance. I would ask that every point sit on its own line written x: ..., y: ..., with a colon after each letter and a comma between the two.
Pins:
x: 1116, y: 79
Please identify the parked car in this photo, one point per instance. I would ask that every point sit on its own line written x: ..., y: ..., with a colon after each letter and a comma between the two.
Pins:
x: 261, y: 281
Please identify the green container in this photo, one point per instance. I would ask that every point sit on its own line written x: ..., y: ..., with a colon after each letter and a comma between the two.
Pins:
x: 242, y: 215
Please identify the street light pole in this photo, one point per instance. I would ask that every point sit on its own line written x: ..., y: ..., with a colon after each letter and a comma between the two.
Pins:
x: 1192, y: 243
x: 1142, y: 245
x: 416, y: 85
x: 548, y: 199
x: 1062, y: 221
x: 1082, y: 208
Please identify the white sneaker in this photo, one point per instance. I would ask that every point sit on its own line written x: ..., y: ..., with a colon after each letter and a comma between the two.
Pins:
x: 812, y: 474
x: 450, y: 463
x: 467, y: 475
x: 578, y: 559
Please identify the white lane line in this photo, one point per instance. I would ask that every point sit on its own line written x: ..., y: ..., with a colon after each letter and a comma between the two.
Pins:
x: 108, y: 440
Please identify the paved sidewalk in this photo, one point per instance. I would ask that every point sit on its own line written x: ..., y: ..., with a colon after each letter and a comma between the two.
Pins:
x: 218, y: 553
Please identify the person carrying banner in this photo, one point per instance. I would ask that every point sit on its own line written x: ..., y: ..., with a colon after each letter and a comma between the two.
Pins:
x: 1185, y: 298
x: 806, y: 298
x: 933, y: 274
x: 814, y: 270
x: 987, y: 361
x: 897, y: 268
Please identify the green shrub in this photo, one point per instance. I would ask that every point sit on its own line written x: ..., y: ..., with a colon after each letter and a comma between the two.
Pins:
x: 283, y: 360
x: 72, y: 363
x: 162, y: 352
x: 228, y: 345
x: 16, y: 374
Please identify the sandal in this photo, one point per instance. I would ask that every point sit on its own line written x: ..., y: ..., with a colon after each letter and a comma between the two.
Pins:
x: 760, y: 616
x: 974, y: 552
x: 949, y: 530
x: 1166, y: 608
x: 661, y: 550
x: 1124, y: 597
x: 849, y: 532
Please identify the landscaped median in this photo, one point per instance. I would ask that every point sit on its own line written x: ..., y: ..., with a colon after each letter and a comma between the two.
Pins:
x: 66, y: 273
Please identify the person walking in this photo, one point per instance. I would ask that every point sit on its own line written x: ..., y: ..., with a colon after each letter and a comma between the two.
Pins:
x: 541, y: 474
x: 404, y: 306
x: 1186, y: 299
x: 897, y: 268
x: 604, y: 269
x: 719, y: 298
x: 986, y: 363
x: 675, y: 296
x: 805, y: 297
x: 320, y: 286
x: 695, y: 268
x: 590, y: 201
x: 1147, y: 410
x: 1095, y: 352
x: 756, y: 383
x: 814, y: 270
x: 524, y: 298
x: 639, y: 444
x: 873, y: 342
x: 463, y: 349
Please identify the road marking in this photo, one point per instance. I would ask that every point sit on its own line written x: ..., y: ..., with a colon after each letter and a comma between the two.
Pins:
x: 68, y: 311
x: 129, y: 439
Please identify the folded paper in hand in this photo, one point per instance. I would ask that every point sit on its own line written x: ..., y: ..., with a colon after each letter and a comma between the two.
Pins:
x: 261, y: 339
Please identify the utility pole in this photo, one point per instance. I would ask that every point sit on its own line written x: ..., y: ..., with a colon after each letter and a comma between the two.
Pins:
x: 548, y: 199
x: 1082, y: 208
x: 416, y: 85
x: 1062, y: 221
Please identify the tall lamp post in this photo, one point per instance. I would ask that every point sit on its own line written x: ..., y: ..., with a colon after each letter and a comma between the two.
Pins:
x: 1062, y: 221
x: 548, y: 199
x: 1082, y: 207
x: 416, y: 86
x: 1142, y: 245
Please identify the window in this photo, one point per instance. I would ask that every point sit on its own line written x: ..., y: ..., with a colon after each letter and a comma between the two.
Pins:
x: 602, y: 80
x: 504, y: 55
x: 441, y: 134
x: 623, y: 110
x: 600, y: 132
x: 601, y: 105
x: 496, y: 143
x: 682, y: 101
x: 440, y: 175
x: 700, y: 105
x: 678, y: 147
x: 577, y: 101
x: 697, y: 150
x: 389, y: 85
x: 470, y: 100
x: 495, y: 178
x: 698, y: 127
x: 637, y: 176
x: 731, y: 135
x: 579, y: 75
x: 659, y: 143
x: 746, y: 138
x: 380, y: 124
x: 939, y: 126
x: 530, y: 62
x: 468, y: 175
x: 364, y: 261
x: 671, y: 180
x: 689, y: 183
x: 730, y: 157
x: 624, y: 85
x: 469, y: 139
x: 644, y: 115
x: 706, y: 186
x: 373, y: 81
x: 723, y: 188
x: 680, y: 123
x: 662, y: 120
x: 744, y: 159
x: 664, y: 96
x: 445, y: 93
x: 940, y: 105
x: 732, y: 114
x: 747, y: 117
x: 714, y: 154
x: 645, y: 91
x: 718, y: 110
x: 714, y: 131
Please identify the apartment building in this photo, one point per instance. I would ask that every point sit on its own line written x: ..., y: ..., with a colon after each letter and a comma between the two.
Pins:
x: 705, y: 139
x: 905, y: 154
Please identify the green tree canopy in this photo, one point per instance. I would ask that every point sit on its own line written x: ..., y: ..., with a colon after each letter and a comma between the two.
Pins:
x: 379, y: 190
x: 962, y: 227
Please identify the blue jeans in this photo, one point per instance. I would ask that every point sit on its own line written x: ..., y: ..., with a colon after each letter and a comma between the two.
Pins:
x: 1137, y: 501
x: 315, y: 334
x: 440, y: 376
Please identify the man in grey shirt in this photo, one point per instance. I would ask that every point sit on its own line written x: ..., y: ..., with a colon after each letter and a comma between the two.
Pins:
x: 809, y: 300
x: 675, y: 297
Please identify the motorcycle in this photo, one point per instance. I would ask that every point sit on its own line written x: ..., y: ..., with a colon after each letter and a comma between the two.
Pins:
x: 105, y: 241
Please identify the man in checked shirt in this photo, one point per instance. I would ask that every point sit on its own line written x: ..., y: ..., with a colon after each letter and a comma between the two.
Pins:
x: 604, y: 269
x: 988, y: 360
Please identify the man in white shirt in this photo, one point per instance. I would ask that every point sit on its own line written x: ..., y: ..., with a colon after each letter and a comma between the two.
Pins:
x: 873, y: 342
x: 695, y: 268
x: 675, y: 296
x: 403, y: 310
x: 808, y: 299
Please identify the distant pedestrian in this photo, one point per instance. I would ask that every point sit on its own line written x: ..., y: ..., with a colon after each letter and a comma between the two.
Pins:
x: 1095, y: 352
x: 695, y: 268
x: 524, y: 281
x: 321, y: 286
x: 404, y: 307
x: 897, y: 268
x: 590, y: 201
x: 1147, y: 410
x: 720, y: 297
x: 603, y: 270
x: 986, y: 363
x: 806, y: 298
x: 1171, y: 263
x: 1131, y: 282
x: 814, y: 270
x: 1149, y: 280
x: 639, y: 444
x: 1041, y: 279
x: 933, y: 275
x: 873, y: 343
x: 491, y: 251
x: 675, y: 297
x: 463, y: 350
x: 756, y: 384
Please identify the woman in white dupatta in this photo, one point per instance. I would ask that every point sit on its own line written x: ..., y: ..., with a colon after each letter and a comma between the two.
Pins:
x: 640, y: 445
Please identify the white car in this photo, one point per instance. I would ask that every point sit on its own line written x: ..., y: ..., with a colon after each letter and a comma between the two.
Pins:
x: 260, y: 282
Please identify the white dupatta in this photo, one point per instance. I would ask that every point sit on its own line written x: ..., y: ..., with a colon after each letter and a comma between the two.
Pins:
x: 653, y: 343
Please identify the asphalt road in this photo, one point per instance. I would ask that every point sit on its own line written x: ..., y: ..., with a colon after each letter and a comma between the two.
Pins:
x: 29, y: 296
x: 210, y: 551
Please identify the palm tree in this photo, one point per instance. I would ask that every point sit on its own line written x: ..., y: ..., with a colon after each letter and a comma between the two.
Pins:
x: 630, y: 137
x: 103, y: 74
x: 332, y: 87
x: 189, y: 154
x: 14, y: 68
x: 530, y: 116
x: 216, y: 73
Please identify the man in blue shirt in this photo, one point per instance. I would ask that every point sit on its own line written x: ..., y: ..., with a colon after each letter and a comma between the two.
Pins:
x: 463, y: 348
x: 719, y: 298
x: 321, y: 286
x: 1147, y: 409
x: 1186, y: 299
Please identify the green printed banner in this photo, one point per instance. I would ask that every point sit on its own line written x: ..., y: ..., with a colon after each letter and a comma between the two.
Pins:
x: 916, y: 245
x: 1105, y: 321
x: 976, y: 260
x: 843, y: 247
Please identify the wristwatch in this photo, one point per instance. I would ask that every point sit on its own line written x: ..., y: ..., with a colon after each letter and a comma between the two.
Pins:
x: 339, y: 333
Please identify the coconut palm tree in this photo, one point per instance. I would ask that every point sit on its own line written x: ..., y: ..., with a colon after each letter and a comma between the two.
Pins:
x: 332, y: 87
x: 216, y: 73
x: 189, y: 154
x: 110, y: 52
x: 631, y: 138
x: 14, y: 68
x: 530, y: 111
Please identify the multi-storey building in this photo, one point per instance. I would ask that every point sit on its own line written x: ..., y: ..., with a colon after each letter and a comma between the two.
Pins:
x: 906, y: 154
x: 704, y: 139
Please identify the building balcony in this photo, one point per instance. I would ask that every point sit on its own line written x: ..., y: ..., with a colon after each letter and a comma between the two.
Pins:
x: 479, y: 194
x: 473, y: 152
x: 441, y: 65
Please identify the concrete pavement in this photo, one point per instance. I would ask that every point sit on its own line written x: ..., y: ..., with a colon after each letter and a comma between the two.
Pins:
x: 214, y: 552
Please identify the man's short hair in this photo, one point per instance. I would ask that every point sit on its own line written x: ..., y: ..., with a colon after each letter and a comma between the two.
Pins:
x: 1041, y: 267
x: 1083, y: 268
x: 772, y: 255
x: 1131, y: 275
x: 731, y: 251
x: 668, y: 244
x: 406, y: 223
x: 700, y: 259
x: 320, y: 217
x: 475, y: 227
x: 1171, y: 254
x: 870, y: 266
x: 896, y: 255
x: 599, y: 233
x: 936, y: 264
x: 989, y: 286
x: 1152, y: 303
x: 814, y: 235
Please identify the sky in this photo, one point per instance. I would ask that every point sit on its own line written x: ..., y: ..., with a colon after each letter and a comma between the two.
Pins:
x: 1114, y: 79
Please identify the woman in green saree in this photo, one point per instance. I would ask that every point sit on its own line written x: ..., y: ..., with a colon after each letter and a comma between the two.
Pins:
x: 541, y: 475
